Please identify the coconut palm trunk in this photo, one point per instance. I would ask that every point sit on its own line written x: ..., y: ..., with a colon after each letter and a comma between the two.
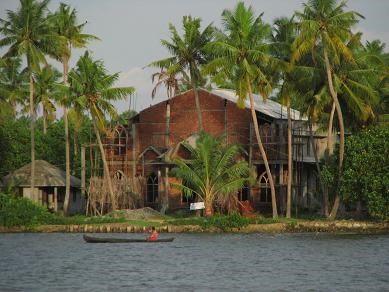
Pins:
x: 197, y: 101
x: 321, y: 181
x: 65, y: 62
x: 290, y: 164
x: 208, y: 205
x: 45, y: 117
x: 262, y: 150
x: 32, y: 128
x: 335, y: 207
x: 105, y: 164
x: 326, y: 157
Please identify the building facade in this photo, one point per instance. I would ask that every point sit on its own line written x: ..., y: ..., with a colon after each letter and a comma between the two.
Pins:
x: 147, y: 145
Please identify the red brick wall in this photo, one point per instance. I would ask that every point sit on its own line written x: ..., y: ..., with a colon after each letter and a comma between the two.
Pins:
x: 184, y: 121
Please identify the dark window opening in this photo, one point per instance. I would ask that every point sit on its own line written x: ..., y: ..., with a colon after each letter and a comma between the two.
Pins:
x: 152, y: 189
x: 190, y: 199
x: 243, y: 194
x: 74, y: 196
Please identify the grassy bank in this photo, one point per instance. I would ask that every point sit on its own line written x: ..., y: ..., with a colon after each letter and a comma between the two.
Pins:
x: 22, y: 215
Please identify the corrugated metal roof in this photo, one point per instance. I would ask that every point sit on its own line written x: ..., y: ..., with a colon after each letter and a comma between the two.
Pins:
x: 46, y: 174
x: 270, y: 107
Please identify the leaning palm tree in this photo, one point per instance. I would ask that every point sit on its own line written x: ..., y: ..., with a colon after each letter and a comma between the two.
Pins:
x: 240, y: 54
x: 188, y: 54
x: 27, y: 32
x: 66, y: 26
x: 325, y: 24
x: 91, y: 91
x: 212, y: 172
x: 354, y: 83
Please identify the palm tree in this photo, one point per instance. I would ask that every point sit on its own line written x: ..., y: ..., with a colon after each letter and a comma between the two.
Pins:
x: 13, y: 86
x: 65, y: 24
x: 91, y: 91
x: 240, y: 54
x: 326, y: 24
x: 47, y: 92
x: 170, y: 81
x: 188, y: 54
x: 356, y: 83
x: 27, y: 32
x: 213, y: 171
x: 374, y: 57
x: 284, y: 35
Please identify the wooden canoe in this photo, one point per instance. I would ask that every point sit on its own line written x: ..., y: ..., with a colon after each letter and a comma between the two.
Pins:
x: 92, y: 239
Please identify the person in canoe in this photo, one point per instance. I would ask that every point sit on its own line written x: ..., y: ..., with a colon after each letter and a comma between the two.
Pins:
x: 153, y: 234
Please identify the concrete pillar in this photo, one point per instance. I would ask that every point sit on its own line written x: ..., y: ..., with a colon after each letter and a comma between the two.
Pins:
x: 55, y: 199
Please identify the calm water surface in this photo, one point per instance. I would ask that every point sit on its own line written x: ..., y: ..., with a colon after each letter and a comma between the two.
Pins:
x: 196, y: 262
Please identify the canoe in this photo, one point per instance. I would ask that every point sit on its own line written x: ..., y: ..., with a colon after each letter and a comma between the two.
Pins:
x: 92, y: 239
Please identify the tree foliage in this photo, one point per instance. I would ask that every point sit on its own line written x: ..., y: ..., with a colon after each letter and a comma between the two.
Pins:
x: 214, y: 170
x: 15, y: 146
x: 366, y: 175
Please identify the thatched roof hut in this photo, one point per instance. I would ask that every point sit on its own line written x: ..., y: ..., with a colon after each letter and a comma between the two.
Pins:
x: 46, y: 175
x: 49, y: 186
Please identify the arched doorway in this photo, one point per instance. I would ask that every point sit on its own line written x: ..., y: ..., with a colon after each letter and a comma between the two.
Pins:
x: 264, y: 188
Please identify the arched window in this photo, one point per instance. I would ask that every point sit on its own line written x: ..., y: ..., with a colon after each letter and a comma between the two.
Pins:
x: 119, y: 175
x: 265, y: 188
x: 120, y: 140
x: 152, y: 188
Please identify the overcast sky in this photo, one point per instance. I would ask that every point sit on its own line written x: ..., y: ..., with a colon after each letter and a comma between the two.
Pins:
x: 131, y: 30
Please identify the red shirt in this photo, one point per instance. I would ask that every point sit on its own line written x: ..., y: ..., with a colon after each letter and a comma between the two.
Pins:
x: 153, y: 236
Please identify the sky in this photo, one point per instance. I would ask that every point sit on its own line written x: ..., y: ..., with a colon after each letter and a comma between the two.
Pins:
x: 130, y: 31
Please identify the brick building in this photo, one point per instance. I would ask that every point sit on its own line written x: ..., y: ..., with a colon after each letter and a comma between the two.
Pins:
x: 149, y: 142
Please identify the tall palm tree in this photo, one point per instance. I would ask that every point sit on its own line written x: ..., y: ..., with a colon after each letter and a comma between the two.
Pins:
x: 213, y: 171
x: 325, y: 24
x: 47, y: 92
x: 188, y: 54
x: 240, y: 54
x: 91, y: 91
x: 27, y: 32
x: 284, y: 35
x: 66, y: 26
x: 354, y: 83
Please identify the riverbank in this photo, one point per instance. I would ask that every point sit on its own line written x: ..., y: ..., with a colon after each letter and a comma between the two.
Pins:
x: 296, y: 226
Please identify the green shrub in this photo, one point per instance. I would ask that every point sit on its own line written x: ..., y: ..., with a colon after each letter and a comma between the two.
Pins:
x: 366, y: 171
x: 229, y: 222
x: 16, y: 211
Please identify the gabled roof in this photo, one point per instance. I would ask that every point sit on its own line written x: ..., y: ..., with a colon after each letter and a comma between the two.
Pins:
x: 149, y: 148
x: 46, y: 175
x: 270, y: 107
x: 170, y: 154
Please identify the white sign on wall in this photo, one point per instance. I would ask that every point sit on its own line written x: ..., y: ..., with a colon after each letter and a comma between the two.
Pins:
x: 197, y: 206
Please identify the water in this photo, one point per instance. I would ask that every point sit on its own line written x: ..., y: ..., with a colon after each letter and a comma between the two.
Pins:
x: 195, y: 262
